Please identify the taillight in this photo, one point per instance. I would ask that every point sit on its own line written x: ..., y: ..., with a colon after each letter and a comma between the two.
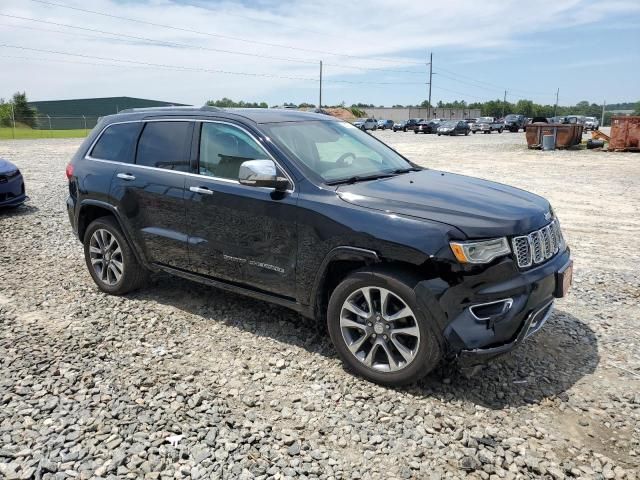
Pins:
x: 69, y: 171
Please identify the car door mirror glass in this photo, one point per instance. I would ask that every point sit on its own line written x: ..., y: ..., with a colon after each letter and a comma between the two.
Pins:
x: 261, y: 173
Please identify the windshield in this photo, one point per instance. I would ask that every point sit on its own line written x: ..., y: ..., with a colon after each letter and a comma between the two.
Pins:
x: 485, y: 120
x: 335, y: 150
x: 511, y: 117
x: 450, y: 123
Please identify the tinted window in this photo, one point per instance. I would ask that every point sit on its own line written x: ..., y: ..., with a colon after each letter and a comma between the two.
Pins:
x: 165, y: 145
x: 223, y: 148
x: 117, y: 143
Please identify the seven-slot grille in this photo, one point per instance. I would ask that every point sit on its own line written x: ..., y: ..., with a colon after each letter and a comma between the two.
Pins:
x: 538, y: 246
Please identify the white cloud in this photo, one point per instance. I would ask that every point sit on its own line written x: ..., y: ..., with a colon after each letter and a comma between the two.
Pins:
x: 404, y: 31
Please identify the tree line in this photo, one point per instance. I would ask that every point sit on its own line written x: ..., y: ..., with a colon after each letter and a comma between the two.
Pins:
x: 17, y: 110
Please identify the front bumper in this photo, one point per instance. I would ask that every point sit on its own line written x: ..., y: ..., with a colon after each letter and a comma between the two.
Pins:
x: 473, y: 338
x: 12, y: 192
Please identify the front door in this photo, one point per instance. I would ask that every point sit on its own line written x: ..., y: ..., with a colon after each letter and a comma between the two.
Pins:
x: 238, y: 233
x: 151, y: 191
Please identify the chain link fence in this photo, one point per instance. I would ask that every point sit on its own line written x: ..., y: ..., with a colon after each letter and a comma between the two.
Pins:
x: 47, y: 126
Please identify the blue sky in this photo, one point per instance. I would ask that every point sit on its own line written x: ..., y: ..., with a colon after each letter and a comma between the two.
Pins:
x: 373, y: 52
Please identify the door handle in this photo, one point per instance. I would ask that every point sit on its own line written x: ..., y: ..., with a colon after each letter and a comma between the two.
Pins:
x: 203, y: 190
x: 126, y: 176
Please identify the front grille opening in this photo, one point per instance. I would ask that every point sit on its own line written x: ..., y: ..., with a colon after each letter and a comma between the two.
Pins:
x: 538, y: 246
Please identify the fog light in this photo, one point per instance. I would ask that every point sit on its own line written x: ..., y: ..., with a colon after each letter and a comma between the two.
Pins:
x: 486, y: 311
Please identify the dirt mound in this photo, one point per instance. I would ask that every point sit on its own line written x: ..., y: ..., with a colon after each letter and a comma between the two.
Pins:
x: 341, y: 113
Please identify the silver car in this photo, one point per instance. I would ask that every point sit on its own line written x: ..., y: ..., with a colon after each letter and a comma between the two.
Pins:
x: 366, y: 124
x: 591, y: 123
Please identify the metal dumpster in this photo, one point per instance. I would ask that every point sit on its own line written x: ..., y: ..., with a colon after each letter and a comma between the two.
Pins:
x: 625, y: 134
x: 566, y: 134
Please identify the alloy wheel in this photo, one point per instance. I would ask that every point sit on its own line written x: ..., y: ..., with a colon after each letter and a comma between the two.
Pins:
x: 379, y: 329
x: 106, y: 256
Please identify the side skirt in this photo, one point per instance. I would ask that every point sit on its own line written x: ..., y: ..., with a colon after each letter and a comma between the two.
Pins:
x: 235, y: 288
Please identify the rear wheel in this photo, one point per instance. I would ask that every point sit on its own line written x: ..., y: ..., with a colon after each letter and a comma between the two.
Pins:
x: 378, y: 330
x: 111, y: 262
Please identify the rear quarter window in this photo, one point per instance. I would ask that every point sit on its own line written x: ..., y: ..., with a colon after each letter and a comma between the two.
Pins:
x: 117, y: 143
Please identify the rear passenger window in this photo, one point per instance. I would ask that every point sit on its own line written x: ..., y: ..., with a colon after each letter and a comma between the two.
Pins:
x: 117, y: 143
x: 223, y: 148
x: 165, y: 145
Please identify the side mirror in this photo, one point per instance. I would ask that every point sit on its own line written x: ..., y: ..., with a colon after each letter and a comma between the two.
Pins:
x: 261, y: 173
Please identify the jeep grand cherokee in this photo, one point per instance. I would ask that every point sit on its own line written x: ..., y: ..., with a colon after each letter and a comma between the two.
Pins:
x: 407, y: 266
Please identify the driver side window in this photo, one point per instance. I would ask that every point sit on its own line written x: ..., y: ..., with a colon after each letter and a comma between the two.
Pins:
x: 223, y: 148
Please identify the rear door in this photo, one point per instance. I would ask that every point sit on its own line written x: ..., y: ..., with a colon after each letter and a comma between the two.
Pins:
x: 151, y: 191
x: 114, y: 150
x: 239, y: 233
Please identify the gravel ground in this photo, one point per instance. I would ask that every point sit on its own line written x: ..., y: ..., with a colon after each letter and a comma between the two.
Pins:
x: 183, y: 381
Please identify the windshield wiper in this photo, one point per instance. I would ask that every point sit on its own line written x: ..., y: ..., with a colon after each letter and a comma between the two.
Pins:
x: 406, y: 170
x: 358, y: 178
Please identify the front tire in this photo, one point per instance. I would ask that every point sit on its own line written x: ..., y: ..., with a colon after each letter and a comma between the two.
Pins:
x: 109, y: 258
x: 378, y: 329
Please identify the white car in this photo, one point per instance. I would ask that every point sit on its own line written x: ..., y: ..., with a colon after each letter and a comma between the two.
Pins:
x: 591, y: 123
x: 366, y: 124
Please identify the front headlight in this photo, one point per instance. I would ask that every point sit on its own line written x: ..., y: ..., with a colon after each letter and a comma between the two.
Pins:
x: 480, y: 251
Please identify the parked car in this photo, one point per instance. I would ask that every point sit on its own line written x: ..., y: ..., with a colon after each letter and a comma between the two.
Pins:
x: 366, y: 124
x: 426, y: 127
x: 514, y: 123
x: 355, y: 235
x: 384, y: 124
x: 410, y: 124
x: 574, y: 119
x: 399, y: 125
x: 12, y: 191
x: 487, y: 125
x: 453, y: 127
x: 591, y: 123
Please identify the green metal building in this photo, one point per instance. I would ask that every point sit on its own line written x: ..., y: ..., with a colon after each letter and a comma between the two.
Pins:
x: 85, y: 112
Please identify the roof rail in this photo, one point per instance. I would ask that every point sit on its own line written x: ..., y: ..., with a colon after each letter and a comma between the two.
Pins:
x: 169, y: 107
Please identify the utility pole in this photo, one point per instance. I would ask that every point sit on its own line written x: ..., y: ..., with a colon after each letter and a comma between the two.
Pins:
x: 320, y: 99
x: 504, y: 102
x: 430, y: 80
x: 604, y: 105
x: 555, y: 107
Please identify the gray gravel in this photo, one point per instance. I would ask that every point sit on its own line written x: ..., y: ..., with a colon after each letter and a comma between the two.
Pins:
x: 183, y: 381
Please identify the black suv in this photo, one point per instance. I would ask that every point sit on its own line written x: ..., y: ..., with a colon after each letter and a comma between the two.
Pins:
x: 514, y: 123
x: 408, y: 266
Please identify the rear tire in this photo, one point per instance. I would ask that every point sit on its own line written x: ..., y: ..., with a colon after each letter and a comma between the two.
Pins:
x: 109, y: 258
x: 390, y: 342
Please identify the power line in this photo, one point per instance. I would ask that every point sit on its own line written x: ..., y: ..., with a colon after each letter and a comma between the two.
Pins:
x: 464, y: 82
x: 200, y: 69
x: 218, y: 35
x: 495, y: 86
x: 197, y: 47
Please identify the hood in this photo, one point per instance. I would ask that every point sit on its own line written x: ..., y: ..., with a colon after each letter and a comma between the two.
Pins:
x: 479, y: 208
x: 6, y: 166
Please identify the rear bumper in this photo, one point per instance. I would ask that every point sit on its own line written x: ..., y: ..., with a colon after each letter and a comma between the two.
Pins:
x: 71, y: 211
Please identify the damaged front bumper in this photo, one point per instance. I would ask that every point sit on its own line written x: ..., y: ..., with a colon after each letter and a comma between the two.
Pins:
x: 494, y: 311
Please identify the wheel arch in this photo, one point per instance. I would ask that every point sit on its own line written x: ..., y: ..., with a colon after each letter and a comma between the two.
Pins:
x: 343, y: 260
x: 91, y: 210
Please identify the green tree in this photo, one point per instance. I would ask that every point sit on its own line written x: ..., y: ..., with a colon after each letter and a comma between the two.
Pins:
x: 22, y: 111
x: 228, y: 103
x: 636, y: 111
x: 524, y: 107
x: 5, y: 113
